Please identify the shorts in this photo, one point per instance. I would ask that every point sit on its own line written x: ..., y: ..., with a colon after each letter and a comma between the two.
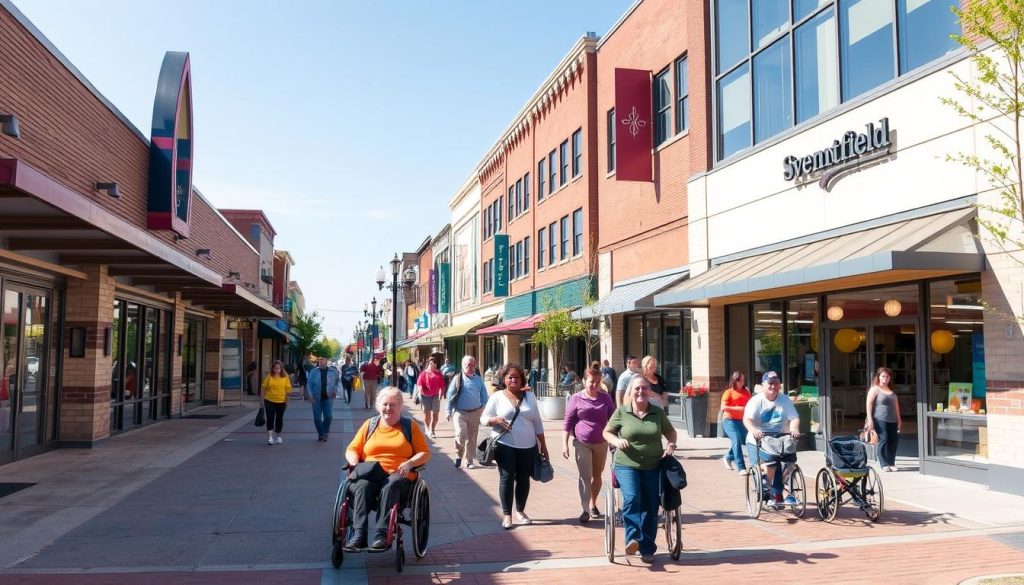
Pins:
x: 431, y: 403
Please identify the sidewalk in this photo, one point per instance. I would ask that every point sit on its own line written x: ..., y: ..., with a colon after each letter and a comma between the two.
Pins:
x: 207, y: 501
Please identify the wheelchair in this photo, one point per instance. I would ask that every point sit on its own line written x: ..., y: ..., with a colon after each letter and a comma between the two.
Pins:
x: 847, y: 477
x: 414, y: 513
x: 759, y: 490
x: 670, y: 518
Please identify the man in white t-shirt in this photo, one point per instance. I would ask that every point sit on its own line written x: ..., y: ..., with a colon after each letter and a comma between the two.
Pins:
x: 770, y: 412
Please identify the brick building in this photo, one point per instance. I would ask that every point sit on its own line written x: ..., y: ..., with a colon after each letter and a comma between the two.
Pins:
x: 117, y: 278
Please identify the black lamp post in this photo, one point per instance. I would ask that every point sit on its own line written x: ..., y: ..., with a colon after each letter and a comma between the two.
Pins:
x: 373, y: 314
x: 408, y: 281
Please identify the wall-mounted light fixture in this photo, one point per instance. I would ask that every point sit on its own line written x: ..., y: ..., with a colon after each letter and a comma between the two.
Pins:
x: 233, y: 274
x: 9, y: 125
x: 179, y: 237
x: 110, y: 188
x: 204, y: 253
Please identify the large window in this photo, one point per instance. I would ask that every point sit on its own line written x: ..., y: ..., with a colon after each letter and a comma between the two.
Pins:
x: 552, y: 169
x: 780, y: 63
x: 541, y: 174
x: 487, y: 222
x: 552, y: 241
x: 577, y: 231
x: 565, y: 237
x: 512, y: 201
x: 682, y: 96
x: 611, y: 140
x: 519, y: 259
x: 563, y: 172
x: 526, y: 255
x: 577, y: 152
x: 526, y: 191
x: 542, y: 244
x: 662, y: 108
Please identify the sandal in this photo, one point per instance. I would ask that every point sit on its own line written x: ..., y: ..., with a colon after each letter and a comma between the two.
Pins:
x: 506, y: 522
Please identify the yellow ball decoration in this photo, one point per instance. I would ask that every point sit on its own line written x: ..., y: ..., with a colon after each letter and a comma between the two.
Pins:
x: 942, y: 341
x: 846, y: 340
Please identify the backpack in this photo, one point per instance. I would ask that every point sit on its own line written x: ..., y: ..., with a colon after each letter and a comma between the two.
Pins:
x: 458, y: 389
x: 406, y: 424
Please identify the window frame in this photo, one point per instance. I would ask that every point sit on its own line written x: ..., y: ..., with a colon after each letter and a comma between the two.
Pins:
x: 552, y: 171
x: 526, y: 192
x: 511, y: 201
x: 577, y: 232
x: 542, y: 244
x: 682, y: 97
x: 552, y: 242
x: 526, y: 255
x: 541, y: 172
x: 577, y: 152
x: 563, y: 226
x: 563, y: 167
x: 610, y: 118
x: 661, y: 110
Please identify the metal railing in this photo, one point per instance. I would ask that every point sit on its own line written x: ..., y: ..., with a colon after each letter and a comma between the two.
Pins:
x: 546, y: 389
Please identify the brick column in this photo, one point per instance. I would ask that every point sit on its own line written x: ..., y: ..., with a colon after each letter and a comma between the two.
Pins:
x: 616, y: 341
x: 215, y: 330
x: 85, y: 395
x: 178, y: 319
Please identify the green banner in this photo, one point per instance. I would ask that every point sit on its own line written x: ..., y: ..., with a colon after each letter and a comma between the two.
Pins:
x: 501, y: 265
x: 444, y: 287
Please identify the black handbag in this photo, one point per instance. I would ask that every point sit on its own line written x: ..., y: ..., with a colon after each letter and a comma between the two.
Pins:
x: 261, y: 418
x: 542, y: 469
x: 368, y: 470
x: 485, y: 450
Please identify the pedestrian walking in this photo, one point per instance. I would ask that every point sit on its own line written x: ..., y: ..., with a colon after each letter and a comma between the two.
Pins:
x: 734, y: 400
x: 632, y: 369
x: 349, y: 372
x: 512, y: 413
x: 274, y: 397
x: 322, y: 388
x: 883, y: 409
x: 586, y: 415
x: 429, y: 385
x: 371, y: 373
x: 466, y: 398
x: 251, y: 376
x: 412, y: 373
x: 635, y: 430
x: 609, y: 373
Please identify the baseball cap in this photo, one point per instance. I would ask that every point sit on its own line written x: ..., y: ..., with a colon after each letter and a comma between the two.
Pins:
x: 768, y: 376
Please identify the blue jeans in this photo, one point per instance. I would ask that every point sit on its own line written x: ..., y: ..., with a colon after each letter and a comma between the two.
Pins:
x: 768, y: 458
x: 640, y: 500
x: 323, y: 414
x: 737, y: 434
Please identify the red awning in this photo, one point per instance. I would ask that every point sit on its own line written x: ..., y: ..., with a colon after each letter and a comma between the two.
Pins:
x: 514, y: 325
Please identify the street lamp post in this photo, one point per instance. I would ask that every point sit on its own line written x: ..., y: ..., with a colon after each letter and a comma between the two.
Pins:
x: 373, y: 314
x: 408, y: 281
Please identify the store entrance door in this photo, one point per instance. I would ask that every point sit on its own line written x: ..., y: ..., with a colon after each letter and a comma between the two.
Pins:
x: 856, y: 352
x: 23, y: 396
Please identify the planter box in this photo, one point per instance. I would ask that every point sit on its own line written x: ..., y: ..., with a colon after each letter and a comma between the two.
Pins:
x: 551, y: 407
x: 695, y: 411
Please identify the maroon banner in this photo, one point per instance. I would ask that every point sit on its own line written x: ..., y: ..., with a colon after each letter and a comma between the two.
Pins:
x: 633, y: 125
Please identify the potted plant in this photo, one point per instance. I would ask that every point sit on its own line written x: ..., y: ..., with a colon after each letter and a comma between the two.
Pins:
x: 695, y: 409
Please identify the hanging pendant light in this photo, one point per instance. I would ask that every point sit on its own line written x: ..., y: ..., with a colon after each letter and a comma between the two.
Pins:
x: 834, y: 313
x: 892, y: 308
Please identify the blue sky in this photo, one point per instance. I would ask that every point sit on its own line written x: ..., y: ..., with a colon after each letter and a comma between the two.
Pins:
x: 350, y: 124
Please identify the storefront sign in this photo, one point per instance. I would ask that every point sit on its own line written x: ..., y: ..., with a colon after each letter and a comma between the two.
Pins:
x: 170, y: 150
x: 444, y: 281
x: 501, y: 265
x: 239, y: 324
x: 433, y: 291
x: 633, y: 142
x: 851, y: 151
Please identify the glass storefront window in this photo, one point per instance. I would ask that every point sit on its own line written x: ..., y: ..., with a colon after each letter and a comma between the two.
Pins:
x: 768, y: 19
x: 734, y: 112
x: 816, y: 62
x: 767, y: 339
x: 865, y: 45
x: 925, y: 27
x: 731, y: 37
x: 802, y: 357
x: 773, y: 87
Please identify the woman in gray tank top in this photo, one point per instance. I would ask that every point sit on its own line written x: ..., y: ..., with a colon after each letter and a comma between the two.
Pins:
x: 883, y: 417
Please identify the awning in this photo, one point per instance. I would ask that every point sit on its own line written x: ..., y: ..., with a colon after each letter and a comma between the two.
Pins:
x: 411, y: 341
x: 632, y: 295
x: 520, y: 325
x: 930, y: 246
x: 279, y: 327
x: 467, y: 328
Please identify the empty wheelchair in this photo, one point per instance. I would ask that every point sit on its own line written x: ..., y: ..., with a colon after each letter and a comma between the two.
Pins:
x: 670, y: 519
x: 847, y: 477
x: 414, y: 513
x: 758, y: 494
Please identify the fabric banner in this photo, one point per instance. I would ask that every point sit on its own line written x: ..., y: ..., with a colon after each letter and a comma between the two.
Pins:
x: 501, y: 265
x: 633, y: 125
x: 433, y: 291
x: 443, y: 287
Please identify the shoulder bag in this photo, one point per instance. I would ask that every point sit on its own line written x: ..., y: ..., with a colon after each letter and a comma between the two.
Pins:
x: 261, y: 418
x: 485, y: 450
x: 542, y: 469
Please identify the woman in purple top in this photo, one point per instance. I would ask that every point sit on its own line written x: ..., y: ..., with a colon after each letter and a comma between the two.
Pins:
x: 585, y: 418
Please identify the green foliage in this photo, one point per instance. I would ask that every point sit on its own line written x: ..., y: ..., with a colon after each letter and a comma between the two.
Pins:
x: 321, y: 348
x: 308, y: 330
x: 993, y: 32
x: 332, y: 346
x: 556, y: 329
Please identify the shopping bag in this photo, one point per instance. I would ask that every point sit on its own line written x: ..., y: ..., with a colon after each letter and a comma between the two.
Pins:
x: 261, y: 418
x: 357, y: 383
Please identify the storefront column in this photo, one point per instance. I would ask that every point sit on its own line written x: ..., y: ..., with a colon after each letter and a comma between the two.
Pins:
x: 85, y: 393
x: 613, y: 341
x: 178, y: 318
x: 512, y: 350
x: 216, y: 328
x: 707, y: 349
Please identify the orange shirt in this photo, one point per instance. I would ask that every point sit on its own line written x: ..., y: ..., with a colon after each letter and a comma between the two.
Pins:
x: 388, y: 445
x: 734, y: 398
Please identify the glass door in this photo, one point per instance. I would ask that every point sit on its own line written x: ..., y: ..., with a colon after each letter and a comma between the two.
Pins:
x: 849, y: 378
x: 23, y: 389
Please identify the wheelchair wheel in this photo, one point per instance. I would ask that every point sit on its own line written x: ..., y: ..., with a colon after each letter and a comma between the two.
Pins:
x: 754, y: 492
x: 871, y: 488
x: 796, y: 487
x: 609, y: 523
x: 826, y: 496
x: 337, y: 555
x: 399, y: 556
x: 673, y: 532
x: 420, y: 519
x: 336, y: 521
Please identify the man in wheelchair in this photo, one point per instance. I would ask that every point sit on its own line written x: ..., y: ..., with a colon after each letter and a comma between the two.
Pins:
x: 382, y: 458
x: 765, y: 416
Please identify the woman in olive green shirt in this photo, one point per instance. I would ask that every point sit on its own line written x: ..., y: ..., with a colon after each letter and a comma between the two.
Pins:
x: 636, y: 430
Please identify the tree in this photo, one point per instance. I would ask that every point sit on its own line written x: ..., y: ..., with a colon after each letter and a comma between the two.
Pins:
x: 993, y: 97
x: 308, y: 330
x: 332, y: 346
x: 555, y: 330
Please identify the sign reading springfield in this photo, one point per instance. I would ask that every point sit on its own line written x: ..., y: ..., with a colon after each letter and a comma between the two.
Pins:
x: 845, y: 154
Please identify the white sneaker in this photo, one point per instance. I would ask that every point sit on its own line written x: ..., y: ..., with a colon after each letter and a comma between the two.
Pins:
x: 279, y: 440
x: 728, y: 464
x: 270, y: 439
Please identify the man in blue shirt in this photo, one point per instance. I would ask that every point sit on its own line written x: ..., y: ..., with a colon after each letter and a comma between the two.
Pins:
x: 466, y: 397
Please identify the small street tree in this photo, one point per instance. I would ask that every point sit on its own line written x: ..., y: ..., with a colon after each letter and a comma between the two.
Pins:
x: 308, y: 330
x: 555, y: 330
x: 993, y: 96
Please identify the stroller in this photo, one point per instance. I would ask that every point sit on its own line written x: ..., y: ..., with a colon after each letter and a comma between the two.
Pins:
x: 847, y: 477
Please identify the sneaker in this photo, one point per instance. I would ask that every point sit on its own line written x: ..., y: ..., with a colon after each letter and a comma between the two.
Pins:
x: 380, y: 542
x: 357, y: 541
x: 631, y: 547
x: 584, y: 517
x: 458, y: 462
x: 791, y: 501
x: 728, y: 464
x: 470, y: 465
x: 279, y: 440
x: 595, y: 513
x: 648, y: 559
x: 893, y: 468
x: 776, y: 502
x: 270, y: 440
x: 743, y: 471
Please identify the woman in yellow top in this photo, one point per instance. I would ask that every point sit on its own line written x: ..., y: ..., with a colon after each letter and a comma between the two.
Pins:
x: 398, y: 445
x: 274, y: 395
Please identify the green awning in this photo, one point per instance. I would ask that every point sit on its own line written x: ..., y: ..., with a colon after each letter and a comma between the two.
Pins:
x: 467, y: 328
